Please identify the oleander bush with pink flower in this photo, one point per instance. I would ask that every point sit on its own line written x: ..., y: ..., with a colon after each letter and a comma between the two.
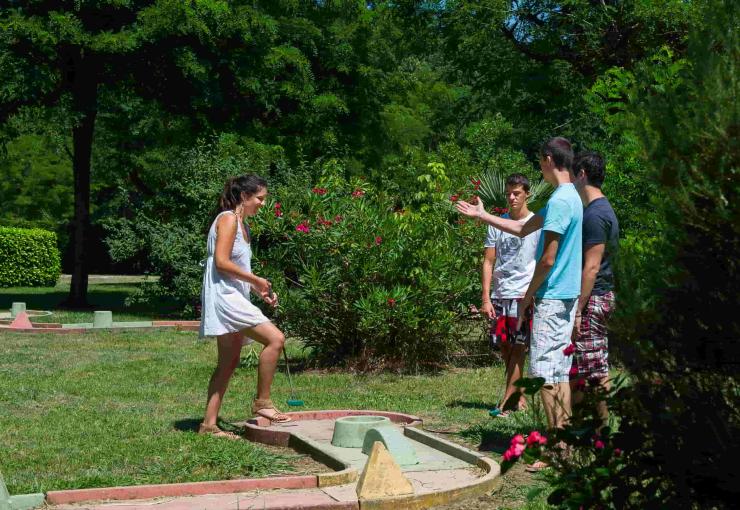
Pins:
x: 366, y: 277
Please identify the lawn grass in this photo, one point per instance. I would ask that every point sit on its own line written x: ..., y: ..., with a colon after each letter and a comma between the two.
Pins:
x: 103, y: 409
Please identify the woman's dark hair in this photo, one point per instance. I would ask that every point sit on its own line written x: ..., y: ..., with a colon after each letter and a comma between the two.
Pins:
x: 518, y: 180
x: 236, y: 187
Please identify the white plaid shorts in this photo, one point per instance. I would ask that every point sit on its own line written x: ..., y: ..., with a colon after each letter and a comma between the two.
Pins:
x: 551, y: 330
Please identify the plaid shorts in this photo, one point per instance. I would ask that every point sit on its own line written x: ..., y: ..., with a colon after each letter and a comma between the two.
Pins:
x: 503, y: 327
x: 591, y: 358
x: 551, y: 330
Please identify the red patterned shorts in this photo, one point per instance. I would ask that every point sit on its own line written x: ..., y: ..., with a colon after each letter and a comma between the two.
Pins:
x: 591, y: 357
x: 503, y: 327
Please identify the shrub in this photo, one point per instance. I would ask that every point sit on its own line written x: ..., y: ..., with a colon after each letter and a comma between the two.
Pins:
x: 365, y: 277
x: 28, y: 257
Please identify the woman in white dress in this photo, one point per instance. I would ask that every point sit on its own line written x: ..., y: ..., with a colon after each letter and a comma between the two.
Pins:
x: 227, y: 312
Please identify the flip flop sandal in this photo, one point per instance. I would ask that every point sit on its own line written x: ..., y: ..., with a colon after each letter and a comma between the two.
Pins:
x: 213, y: 430
x: 266, y: 404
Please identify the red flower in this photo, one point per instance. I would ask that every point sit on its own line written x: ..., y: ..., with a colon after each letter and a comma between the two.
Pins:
x: 475, y: 183
x: 599, y: 444
x: 303, y: 227
x: 517, y: 439
x: 337, y: 218
x: 357, y: 193
x: 319, y: 191
x: 533, y: 438
x: 581, y: 384
x: 324, y: 223
x: 573, y: 371
x: 569, y: 350
x: 454, y: 198
x: 391, y: 302
x: 378, y: 240
x: 617, y: 452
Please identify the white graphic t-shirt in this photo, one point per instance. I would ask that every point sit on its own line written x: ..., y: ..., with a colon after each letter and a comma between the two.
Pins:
x: 515, y: 261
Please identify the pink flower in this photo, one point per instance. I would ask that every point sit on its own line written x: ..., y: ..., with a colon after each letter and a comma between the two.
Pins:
x: 599, y: 444
x: 278, y: 205
x: 617, y: 452
x: 303, y: 227
x: 517, y: 439
x: 581, y: 384
x: 357, y: 193
x: 569, y: 350
x: 391, y: 302
x: 518, y: 449
x: 319, y: 191
x: 378, y: 240
x: 337, y: 218
x: 573, y: 371
x: 533, y: 438
x: 454, y: 198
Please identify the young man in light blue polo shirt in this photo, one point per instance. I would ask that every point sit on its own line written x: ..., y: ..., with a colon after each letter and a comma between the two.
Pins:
x: 556, y: 283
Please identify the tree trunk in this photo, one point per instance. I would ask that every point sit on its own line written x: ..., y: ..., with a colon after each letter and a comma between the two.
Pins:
x: 85, y: 105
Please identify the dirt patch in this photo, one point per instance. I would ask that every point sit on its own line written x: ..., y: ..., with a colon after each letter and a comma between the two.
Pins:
x: 300, y: 463
x: 510, y: 493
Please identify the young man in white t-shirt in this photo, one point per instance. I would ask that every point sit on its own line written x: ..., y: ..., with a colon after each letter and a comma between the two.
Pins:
x: 511, y: 261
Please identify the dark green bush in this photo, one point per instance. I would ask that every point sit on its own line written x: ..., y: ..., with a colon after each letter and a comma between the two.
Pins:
x: 28, y: 257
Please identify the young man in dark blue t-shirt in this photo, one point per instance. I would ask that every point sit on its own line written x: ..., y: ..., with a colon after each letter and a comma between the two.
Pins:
x: 596, y: 301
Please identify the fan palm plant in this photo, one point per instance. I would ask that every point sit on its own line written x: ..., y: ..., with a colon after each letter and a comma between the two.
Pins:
x: 492, y: 190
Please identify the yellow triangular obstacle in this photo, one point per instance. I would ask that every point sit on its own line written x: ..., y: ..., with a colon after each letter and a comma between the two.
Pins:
x: 382, y: 477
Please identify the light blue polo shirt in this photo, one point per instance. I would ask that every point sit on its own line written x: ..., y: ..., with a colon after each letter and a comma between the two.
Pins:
x: 563, y: 215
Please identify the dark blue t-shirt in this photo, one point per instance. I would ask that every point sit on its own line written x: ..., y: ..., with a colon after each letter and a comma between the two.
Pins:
x: 600, y: 226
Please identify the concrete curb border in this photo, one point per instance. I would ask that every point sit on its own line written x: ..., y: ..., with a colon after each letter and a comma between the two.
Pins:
x: 180, y: 489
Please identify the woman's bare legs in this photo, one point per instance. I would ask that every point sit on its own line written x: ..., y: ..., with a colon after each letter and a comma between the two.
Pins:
x: 229, y: 348
x: 273, y: 341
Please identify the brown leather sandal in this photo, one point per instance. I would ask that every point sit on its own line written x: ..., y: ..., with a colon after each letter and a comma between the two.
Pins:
x: 263, y: 406
x: 213, y: 430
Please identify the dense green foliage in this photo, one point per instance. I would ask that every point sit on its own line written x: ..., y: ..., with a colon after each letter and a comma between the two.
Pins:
x: 677, y: 435
x: 28, y: 257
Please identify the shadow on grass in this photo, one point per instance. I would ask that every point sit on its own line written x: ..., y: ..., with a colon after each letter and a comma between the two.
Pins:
x: 490, y: 440
x: 470, y: 405
x: 187, y: 424
x: 193, y: 424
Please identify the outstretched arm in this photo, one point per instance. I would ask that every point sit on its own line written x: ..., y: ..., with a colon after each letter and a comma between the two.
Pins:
x: 511, y: 226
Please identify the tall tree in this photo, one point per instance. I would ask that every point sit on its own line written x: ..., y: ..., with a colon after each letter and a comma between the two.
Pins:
x: 212, y: 60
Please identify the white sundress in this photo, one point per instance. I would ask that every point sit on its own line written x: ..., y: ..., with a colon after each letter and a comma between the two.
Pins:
x: 226, y: 307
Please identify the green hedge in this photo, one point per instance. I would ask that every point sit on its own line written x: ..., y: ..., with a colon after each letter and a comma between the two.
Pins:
x: 28, y: 257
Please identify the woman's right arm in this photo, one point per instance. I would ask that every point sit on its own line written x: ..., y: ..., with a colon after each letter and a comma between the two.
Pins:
x: 226, y: 228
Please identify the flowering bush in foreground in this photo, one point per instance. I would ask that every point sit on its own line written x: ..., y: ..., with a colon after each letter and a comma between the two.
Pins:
x: 586, y: 457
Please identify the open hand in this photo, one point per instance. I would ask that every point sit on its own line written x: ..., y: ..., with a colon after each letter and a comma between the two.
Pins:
x: 470, y: 210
